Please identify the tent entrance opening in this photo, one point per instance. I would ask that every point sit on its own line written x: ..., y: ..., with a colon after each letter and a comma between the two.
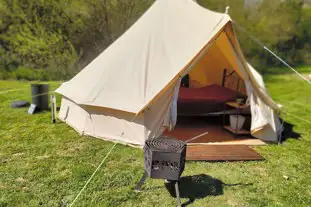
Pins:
x: 208, y: 130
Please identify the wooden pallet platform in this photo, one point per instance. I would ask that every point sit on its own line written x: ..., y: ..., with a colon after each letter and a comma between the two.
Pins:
x: 221, y: 153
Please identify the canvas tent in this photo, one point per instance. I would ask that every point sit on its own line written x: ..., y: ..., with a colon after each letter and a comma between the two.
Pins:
x: 129, y: 92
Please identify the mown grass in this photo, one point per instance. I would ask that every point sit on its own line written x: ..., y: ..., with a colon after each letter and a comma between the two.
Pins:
x: 44, y: 164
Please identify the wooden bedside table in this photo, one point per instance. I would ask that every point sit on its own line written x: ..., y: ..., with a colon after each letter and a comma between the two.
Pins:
x: 239, y: 107
x: 236, y: 105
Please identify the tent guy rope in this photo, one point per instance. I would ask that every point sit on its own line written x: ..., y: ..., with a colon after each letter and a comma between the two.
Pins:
x: 11, y: 90
x: 267, y: 49
x: 196, y: 137
x: 87, y: 182
x: 298, y: 118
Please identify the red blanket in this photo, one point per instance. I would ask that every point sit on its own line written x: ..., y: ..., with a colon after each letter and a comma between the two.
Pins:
x: 213, y: 93
x: 205, y: 100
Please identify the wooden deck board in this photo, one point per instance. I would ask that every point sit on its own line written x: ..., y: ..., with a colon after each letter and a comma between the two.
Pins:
x: 221, y: 153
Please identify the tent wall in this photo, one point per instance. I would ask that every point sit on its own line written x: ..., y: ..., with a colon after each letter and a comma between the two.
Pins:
x: 118, y: 125
x: 103, y: 123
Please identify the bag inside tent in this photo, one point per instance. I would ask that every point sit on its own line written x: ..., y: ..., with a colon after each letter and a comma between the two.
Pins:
x: 212, y: 100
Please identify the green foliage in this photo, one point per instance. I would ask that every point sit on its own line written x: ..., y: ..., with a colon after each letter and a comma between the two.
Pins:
x: 60, y: 36
x: 34, y: 34
x: 4, y: 75
x: 283, y: 26
x: 63, y: 36
x: 30, y: 74
x: 23, y: 73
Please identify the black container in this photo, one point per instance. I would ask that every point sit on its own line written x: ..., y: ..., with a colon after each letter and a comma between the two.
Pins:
x: 40, y: 96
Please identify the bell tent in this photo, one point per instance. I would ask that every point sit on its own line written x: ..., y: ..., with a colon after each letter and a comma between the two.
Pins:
x: 129, y: 93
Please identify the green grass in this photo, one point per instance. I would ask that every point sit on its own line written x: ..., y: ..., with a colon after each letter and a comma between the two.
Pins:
x: 288, y: 71
x: 47, y: 164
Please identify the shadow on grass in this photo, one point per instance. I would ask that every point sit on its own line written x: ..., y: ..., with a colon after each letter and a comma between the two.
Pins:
x: 288, y: 132
x: 198, y: 186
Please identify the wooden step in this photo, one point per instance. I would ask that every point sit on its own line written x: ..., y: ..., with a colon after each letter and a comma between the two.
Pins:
x: 221, y: 153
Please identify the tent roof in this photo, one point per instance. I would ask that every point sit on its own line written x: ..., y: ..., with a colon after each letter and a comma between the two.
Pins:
x: 147, y: 57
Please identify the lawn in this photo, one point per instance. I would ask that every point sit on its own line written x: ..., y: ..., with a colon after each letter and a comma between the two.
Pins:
x: 44, y: 164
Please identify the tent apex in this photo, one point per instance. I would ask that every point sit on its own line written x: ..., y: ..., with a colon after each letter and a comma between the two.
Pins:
x: 227, y: 9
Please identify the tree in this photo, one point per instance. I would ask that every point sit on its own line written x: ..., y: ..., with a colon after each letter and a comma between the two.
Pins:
x: 62, y: 36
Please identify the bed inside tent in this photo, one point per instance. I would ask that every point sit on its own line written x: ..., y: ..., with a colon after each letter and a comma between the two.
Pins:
x: 206, y: 96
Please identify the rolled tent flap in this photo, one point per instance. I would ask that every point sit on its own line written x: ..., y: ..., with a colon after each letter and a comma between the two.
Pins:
x: 266, y: 124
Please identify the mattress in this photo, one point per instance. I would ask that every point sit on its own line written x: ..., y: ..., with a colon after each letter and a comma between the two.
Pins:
x: 204, y: 100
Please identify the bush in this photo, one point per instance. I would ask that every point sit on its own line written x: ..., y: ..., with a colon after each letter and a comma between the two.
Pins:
x: 23, y: 73
x: 4, y: 75
x: 26, y: 73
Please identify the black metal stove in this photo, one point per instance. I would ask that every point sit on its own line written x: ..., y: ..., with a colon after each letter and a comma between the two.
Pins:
x: 164, y: 159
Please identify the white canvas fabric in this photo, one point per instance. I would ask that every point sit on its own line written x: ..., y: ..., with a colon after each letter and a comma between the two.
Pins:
x: 146, y: 57
x: 117, y: 125
x: 127, y: 92
x: 265, y: 122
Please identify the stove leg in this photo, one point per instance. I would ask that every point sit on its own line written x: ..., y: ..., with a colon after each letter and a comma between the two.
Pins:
x: 177, y: 194
x: 141, y: 182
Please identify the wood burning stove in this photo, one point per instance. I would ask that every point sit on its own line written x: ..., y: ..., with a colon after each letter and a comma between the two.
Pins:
x: 164, y: 158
